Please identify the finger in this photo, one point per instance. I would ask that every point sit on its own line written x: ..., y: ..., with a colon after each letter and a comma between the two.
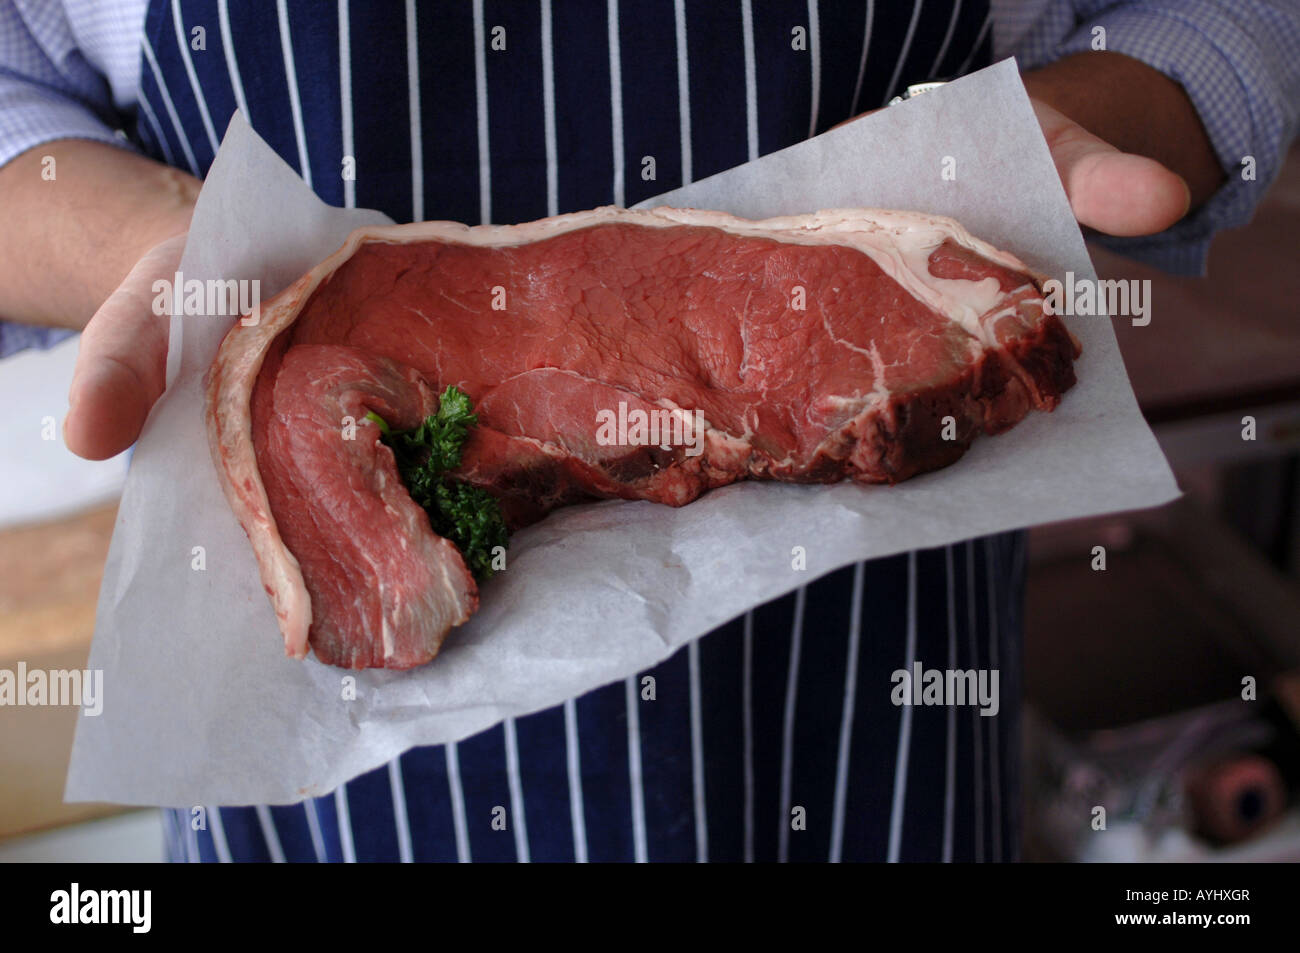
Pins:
x: 1114, y: 192
x: 1122, y: 194
x: 862, y: 115
x: 121, y: 365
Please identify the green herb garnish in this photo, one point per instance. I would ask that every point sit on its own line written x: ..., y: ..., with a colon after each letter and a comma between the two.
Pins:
x: 464, y: 514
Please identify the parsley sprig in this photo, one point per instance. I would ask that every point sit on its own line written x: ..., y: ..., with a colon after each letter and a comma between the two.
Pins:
x: 464, y: 514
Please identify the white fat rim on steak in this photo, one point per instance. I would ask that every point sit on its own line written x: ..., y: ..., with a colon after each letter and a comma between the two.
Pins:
x: 899, y: 242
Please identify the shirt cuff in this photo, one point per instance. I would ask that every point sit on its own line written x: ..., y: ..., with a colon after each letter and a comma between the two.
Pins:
x: 32, y: 115
x: 20, y: 337
x: 1225, y: 75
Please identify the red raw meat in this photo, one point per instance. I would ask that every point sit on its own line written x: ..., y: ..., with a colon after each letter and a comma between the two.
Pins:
x: 906, y: 320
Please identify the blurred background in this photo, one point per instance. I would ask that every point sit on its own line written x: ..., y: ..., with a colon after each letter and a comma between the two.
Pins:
x: 1134, y: 674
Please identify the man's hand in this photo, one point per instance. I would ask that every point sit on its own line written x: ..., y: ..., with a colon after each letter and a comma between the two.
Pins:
x: 1127, y: 142
x: 122, y: 363
x: 87, y: 229
x: 1114, y: 192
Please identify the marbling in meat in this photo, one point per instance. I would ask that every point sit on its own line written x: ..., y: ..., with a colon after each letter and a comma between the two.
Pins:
x: 872, y: 345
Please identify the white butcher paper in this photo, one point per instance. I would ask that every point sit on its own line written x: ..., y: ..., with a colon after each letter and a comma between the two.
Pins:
x: 202, y: 707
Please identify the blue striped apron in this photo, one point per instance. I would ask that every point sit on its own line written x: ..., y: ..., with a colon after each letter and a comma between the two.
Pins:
x: 775, y: 736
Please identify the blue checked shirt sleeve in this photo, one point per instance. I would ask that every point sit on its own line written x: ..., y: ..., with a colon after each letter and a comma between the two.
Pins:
x: 1238, y: 60
x: 20, y: 337
x: 47, y: 91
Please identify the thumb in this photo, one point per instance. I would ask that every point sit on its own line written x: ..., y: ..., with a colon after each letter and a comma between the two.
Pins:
x: 122, y: 362
x: 1114, y: 192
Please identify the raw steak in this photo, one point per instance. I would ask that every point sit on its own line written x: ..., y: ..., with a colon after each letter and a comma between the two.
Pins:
x: 808, y: 349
